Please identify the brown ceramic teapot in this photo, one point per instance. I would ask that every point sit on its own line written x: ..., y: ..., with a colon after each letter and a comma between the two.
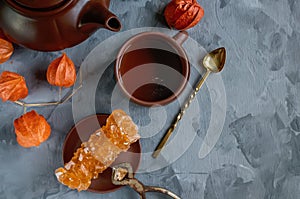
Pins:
x: 50, y: 25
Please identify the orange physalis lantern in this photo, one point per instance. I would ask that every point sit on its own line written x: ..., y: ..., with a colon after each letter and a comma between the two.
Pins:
x: 12, y: 86
x: 31, y: 129
x: 61, y: 72
x: 183, y: 14
x: 6, y: 50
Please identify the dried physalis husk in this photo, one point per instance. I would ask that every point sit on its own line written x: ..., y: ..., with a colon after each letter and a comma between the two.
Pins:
x: 12, y: 86
x: 31, y: 129
x: 183, y: 14
x: 6, y: 50
x: 61, y: 72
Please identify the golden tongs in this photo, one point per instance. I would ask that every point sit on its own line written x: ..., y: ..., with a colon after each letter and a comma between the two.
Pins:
x: 123, y: 175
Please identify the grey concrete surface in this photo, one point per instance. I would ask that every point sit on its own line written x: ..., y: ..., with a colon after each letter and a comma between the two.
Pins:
x: 258, y: 153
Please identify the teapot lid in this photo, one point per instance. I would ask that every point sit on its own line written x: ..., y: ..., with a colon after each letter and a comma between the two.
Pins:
x: 39, y: 4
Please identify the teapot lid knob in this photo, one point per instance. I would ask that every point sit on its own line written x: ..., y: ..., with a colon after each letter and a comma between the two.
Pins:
x: 38, y: 4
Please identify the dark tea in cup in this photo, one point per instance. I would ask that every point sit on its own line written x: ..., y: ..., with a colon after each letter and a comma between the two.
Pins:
x: 152, y: 68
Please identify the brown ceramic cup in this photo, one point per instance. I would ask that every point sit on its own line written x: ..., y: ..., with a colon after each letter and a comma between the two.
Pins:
x: 152, y: 68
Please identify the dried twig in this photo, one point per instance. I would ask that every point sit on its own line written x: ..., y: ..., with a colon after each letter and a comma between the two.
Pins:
x: 61, y: 101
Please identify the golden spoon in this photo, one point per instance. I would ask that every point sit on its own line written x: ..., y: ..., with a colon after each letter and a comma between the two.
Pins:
x: 213, y: 62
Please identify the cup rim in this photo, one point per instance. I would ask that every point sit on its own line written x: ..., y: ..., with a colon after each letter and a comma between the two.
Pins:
x: 181, y: 53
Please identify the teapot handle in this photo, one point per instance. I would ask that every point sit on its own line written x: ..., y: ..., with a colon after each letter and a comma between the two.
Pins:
x: 94, y: 15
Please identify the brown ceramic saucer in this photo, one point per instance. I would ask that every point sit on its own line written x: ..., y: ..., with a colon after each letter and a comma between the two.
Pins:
x: 80, y: 133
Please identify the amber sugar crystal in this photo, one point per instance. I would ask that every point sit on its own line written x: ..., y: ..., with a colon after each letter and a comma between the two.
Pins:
x: 99, y: 152
x: 77, y: 173
x: 121, y: 130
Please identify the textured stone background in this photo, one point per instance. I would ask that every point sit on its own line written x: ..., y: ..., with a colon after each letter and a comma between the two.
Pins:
x: 258, y: 154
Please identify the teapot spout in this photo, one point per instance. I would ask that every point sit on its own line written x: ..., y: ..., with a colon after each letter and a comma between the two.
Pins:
x: 95, y: 15
x: 112, y: 23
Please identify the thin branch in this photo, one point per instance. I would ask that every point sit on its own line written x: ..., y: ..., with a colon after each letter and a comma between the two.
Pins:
x: 61, y: 101
x: 59, y: 93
